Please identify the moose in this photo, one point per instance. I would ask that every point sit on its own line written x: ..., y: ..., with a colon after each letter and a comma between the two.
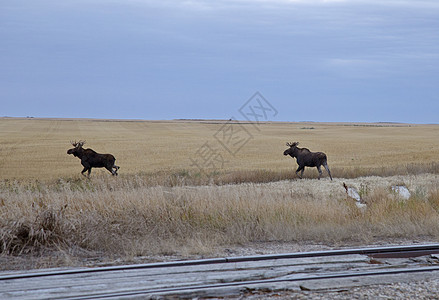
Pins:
x: 306, y: 158
x: 91, y: 159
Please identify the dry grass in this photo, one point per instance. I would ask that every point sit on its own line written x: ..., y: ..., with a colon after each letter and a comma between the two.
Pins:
x: 128, y: 218
x: 160, y: 204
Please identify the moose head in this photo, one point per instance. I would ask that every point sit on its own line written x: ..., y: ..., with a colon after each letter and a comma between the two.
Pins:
x: 77, y: 151
x: 292, y: 150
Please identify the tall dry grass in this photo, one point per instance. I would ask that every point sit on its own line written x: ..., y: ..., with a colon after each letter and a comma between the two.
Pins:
x: 130, y: 218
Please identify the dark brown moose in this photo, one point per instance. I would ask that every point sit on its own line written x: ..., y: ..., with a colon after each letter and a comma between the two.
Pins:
x: 91, y: 159
x: 306, y: 158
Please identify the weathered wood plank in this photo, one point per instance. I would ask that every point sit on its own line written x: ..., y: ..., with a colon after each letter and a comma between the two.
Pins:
x: 127, y: 281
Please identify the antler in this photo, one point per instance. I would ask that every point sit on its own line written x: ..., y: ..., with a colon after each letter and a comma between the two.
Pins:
x: 77, y: 144
x: 292, y: 144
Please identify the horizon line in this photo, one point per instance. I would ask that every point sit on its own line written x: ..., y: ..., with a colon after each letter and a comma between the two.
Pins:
x: 203, y: 120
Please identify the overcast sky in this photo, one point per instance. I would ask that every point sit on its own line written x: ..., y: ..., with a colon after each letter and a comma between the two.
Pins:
x: 371, y: 60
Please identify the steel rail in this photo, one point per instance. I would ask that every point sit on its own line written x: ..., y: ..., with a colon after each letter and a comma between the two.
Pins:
x: 414, y: 249
x: 252, y: 282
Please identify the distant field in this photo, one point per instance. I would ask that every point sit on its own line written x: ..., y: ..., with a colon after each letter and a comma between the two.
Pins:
x: 36, y: 148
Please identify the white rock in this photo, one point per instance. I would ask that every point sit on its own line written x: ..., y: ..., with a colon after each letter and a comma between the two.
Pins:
x: 360, y: 205
x: 401, y: 191
x: 354, y: 194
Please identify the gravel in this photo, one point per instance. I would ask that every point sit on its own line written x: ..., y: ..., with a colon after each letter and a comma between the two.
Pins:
x: 419, y: 290
x: 428, y: 289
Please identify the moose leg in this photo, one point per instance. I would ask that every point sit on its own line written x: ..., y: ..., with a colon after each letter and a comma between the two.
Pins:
x: 327, y: 170
x: 300, y: 168
x: 116, y: 168
x: 320, y: 171
x: 113, y: 172
x: 110, y: 169
x: 83, y: 170
x: 87, y: 167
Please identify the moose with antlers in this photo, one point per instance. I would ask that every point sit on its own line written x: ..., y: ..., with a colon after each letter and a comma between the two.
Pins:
x: 91, y: 159
x: 306, y: 158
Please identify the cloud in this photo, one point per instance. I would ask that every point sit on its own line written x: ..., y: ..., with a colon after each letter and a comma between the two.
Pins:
x: 349, y: 62
x: 357, y: 67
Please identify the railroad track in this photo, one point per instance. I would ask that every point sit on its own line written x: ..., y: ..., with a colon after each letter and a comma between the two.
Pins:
x: 230, y: 276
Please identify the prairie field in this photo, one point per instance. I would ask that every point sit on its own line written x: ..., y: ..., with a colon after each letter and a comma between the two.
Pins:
x: 36, y: 148
x: 241, y: 190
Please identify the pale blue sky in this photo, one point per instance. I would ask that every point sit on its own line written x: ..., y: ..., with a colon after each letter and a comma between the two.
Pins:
x: 139, y: 59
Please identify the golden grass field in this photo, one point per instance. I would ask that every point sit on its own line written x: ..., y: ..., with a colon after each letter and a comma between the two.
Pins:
x: 36, y: 148
x: 161, y: 205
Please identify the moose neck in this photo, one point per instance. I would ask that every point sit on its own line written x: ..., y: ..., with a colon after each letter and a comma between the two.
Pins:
x: 294, y: 152
x: 79, y: 152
